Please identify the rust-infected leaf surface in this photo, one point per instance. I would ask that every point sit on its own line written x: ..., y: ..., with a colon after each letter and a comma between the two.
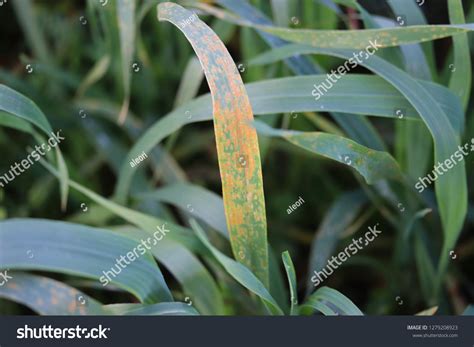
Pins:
x: 48, y: 297
x: 236, y: 140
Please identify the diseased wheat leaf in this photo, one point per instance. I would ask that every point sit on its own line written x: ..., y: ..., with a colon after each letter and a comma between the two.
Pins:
x: 237, y: 144
x: 49, y: 297
x: 348, y: 39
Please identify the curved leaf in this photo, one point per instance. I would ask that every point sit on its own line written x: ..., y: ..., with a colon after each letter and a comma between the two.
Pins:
x: 357, y: 127
x: 451, y: 188
x: 161, y: 309
x: 195, y: 200
x: 20, y: 106
x: 193, y: 276
x: 239, y: 272
x: 348, y: 39
x: 461, y: 79
x: 331, y: 302
x: 372, y: 165
x: 469, y: 311
x: 186, y: 268
x: 81, y: 251
x: 341, y: 214
x: 359, y: 94
x: 49, y: 297
x: 237, y: 143
x: 291, y: 275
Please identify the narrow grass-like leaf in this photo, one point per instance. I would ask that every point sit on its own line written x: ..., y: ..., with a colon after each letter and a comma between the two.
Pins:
x: 278, y: 288
x: 413, y: 141
x: 81, y: 251
x: 161, y: 309
x: 195, y: 200
x: 190, y: 82
x: 326, y: 299
x: 372, y: 165
x: 360, y: 39
x: 281, y: 12
x: 95, y: 74
x: 461, y: 78
x: 49, y: 297
x: 239, y: 272
x: 451, y: 188
x: 428, y: 312
x: 354, y: 94
x: 340, y: 215
x: 300, y: 65
x: 358, y: 128
x: 291, y: 275
x: 349, y: 39
x: 414, y: 16
x: 126, y: 24
x: 25, y: 13
x: 469, y: 311
x: 409, y: 227
x: 178, y: 243
x: 193, y: 276
x: 237, y: 143
x: 145, y: 222
x: 11, y: 121
x: 20, y: 106
x: 209, y: 207
x: 425, y: 268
